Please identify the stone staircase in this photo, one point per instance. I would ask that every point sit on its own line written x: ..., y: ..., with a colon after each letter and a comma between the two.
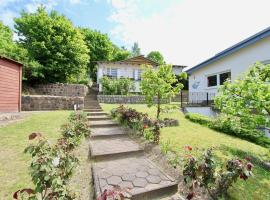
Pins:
x: 119, y: 161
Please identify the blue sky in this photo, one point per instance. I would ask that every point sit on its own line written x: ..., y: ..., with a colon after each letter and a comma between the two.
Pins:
x: 184, y: 31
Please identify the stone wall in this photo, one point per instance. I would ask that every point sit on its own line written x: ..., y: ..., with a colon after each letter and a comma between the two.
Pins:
x: 60, y: 89
x: 122, y: 99
x: 46, y: 102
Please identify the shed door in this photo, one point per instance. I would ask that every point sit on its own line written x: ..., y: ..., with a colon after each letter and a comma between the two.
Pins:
x: 9, y: 87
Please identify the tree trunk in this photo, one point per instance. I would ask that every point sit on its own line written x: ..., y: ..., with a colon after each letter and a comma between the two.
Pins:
x: 158, y: 106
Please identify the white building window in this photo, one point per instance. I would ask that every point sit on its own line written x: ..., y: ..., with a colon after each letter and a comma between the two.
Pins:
x: 218, y: 79
x: 137, y: 74
x: 224, y: 77
x: 112, y: 72
x: 212, y: 81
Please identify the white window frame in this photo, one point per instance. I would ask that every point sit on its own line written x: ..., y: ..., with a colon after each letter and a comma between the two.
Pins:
x: 112, y: 72
x: 218, y: 78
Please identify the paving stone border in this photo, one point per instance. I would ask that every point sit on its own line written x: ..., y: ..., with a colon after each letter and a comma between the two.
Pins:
x: 125, y: 99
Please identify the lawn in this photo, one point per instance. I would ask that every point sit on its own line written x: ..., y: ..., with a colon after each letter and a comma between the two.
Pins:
x: 14, y: 138
x: 189, y: 133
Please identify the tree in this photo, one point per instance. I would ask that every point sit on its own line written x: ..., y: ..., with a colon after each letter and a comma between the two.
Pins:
x: 120, y: 54
x: 156, y: 56
x: 12, y: 50
x: 136, y: 51
x: 247, y: 98
x: 53, y: 41
x: 157, y: 83
x: 100, y: 46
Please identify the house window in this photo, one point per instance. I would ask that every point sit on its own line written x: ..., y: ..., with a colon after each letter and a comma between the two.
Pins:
x: 139, y: 74
x: 212, y: 81
x: 224, y: 77
x: 112, y: 72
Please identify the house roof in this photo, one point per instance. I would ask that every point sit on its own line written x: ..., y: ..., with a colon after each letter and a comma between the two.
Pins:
x: 11, y: 60
x: 251, y: 40
x: 137, y: 60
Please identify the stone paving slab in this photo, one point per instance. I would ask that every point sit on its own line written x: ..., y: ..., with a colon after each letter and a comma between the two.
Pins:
x: 103, y: 123
x: 107, y: 131
x: 117, y: 145
x: 96, y: 113
x: 140, y: 176
x: 99, y: 118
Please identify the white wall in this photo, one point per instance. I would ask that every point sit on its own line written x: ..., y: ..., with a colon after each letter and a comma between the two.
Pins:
x: 238, y: 63
x: 123, y: 70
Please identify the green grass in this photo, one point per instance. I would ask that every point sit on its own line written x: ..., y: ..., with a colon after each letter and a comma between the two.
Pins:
x: 189, y: 133
x: 14, y: 163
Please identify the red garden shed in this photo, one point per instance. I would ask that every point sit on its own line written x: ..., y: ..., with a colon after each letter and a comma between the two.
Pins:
x: 10, y: 85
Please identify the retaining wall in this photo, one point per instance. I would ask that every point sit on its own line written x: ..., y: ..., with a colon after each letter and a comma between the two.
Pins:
x: 60, y: 89
x: 123, y: 99
x: 46, y: 102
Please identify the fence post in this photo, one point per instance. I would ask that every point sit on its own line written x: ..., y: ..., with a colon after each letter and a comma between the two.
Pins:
x: 181, y: 96
x: 207, y: 99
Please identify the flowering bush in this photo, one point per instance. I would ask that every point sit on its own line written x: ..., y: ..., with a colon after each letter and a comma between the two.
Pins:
x: 203, y: 172
x: 53, y: 165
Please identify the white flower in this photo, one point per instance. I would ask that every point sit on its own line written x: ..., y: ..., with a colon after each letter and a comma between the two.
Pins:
x: 56, y: 161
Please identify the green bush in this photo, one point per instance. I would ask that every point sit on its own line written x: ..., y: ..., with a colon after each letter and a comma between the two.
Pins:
x: 197, y: 118
x: 231, y: 126
x: 120, y: 86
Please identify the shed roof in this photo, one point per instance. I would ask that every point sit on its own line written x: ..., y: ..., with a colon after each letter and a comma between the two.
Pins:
x: 11, y: 60
x: 251, y: 40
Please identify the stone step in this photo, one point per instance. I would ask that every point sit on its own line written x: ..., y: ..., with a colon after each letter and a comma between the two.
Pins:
x: 99, y: 118
x: 143, y: 178
x: 108, y: 132
x: 101, y: 149
x: 92, y: 110
x: 102, y: 124
x: 96, y: 113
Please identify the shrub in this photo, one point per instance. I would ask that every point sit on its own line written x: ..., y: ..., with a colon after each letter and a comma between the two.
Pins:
x: 203, y: 172
x: 197, y: 118
x: 120, y: 86
x: 53, y: 165
x: 231, y: 126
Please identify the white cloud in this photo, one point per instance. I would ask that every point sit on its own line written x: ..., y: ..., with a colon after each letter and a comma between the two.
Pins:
x: 189, y: 31
x: 34, y: 4
x: 75, y: 1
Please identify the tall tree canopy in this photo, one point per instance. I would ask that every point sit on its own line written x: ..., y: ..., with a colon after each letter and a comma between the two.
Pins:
x: 248, y: 98
x: 135, y: 49
x: 11, y: 49
x: 156, y: 56
x: 101, y: 49
x: 53, y: 41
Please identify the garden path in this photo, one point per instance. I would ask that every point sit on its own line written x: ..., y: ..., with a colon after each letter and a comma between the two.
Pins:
x: 119, y: 161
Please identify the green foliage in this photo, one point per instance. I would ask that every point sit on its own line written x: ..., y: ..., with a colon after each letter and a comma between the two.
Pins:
x: 248, y: 97
x: 158, y: 83
x: 231, y: 126
x: 100, y: 46
x: 120, y: 86
x: 203, y: 172
x: 53, y: 41
x: 157, y: 57
x: 14, y: 51
x: 52, y: 165
x: 135, y: 49
x: 120, y: 54
x: 197, y: 118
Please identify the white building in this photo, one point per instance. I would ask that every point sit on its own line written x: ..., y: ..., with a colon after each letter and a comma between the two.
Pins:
x: 129, y: 68
x: 231, y: 63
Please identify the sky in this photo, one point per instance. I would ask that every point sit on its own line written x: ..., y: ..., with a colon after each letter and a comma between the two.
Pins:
x: 186, y: 32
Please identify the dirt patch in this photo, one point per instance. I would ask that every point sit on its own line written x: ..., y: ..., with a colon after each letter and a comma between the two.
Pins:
x: 8, y: 118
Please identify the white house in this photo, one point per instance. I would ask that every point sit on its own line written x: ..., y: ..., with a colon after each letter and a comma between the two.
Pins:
x: 231, y: 63
x: 129, y: 68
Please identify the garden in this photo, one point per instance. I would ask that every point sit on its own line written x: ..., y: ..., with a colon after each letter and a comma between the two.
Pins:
x: 54, y: 147
x: 227, y: 156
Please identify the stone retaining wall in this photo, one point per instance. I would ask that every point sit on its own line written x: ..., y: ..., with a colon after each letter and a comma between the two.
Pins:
x: 46, y: 102
x: 60, y: 89
x: 122, y: 99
